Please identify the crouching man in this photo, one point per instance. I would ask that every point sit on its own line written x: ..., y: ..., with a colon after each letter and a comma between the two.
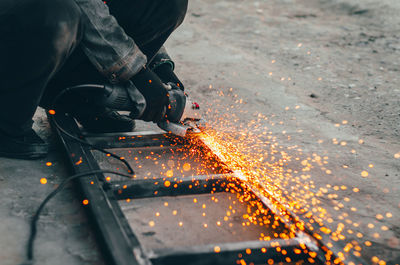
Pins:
x: 48, y: 45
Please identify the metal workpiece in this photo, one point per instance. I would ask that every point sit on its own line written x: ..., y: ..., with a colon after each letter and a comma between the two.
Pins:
x: 118, y: 208
x: 144, y: 188
x: 133, y: 139
x: 119, y: 244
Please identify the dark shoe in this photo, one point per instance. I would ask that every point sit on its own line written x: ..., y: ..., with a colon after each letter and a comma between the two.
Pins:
x: 28, y: 146
x: 103, y: 120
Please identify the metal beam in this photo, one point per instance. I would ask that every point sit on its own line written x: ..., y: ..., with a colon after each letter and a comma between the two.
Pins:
x: 258, y: 252
x: 133, y: 140
x: 120, y: 246
x: 177, y: 186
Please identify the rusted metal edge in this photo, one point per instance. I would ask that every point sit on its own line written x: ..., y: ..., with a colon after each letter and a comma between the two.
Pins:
x: 257, y: 252
x: 176, y: 186
x: 133, y: 140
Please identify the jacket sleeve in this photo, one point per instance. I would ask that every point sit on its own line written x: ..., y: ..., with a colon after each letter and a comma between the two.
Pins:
x: 106, y: 44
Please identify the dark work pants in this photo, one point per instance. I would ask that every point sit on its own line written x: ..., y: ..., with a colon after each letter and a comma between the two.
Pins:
x: 40, y: 53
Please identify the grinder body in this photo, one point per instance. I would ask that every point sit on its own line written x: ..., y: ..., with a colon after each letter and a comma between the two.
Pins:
x: 182, y: 116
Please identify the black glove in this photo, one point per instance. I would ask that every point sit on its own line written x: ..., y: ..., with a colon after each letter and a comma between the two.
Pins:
x: 166, y: 73
x: 155, y: 93
x: 163, y: 66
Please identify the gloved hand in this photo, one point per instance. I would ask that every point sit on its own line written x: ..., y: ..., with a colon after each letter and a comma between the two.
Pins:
x: 165, y: 72
x: 163, y: 66
x: 155, y: 93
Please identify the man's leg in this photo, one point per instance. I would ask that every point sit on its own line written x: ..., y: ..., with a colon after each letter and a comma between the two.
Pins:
x: 149, y: 23
x: 37, y: 36
x: 78, y: 70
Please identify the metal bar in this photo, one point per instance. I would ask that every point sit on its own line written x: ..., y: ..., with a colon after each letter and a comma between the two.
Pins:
x: 120, y: 245
x: 133, y: 140
x: 177, y: 186
x: 258, y: 252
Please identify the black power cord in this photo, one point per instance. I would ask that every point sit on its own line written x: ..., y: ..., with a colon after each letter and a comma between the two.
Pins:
x: 35, y: 218
x: 81, y: 87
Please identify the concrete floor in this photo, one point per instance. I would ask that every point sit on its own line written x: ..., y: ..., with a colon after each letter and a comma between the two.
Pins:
x: 325, y: 73
x: 64, y: 234
x: 321, y: 78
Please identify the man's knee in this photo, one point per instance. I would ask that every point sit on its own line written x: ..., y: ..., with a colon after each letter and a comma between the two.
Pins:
x: 61, y: 18
x: 42, y: 32
x: 57, y: 21
x: 178, y: 10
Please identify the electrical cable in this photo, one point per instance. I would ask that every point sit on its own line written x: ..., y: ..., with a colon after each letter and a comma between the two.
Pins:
x: 35, y: 218
x: 53, y: 105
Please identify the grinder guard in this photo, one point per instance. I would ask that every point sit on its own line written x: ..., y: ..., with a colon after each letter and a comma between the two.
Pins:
x: 183, y: 115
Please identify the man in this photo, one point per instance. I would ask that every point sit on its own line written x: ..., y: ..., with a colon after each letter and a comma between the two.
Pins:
x: 48, y: 45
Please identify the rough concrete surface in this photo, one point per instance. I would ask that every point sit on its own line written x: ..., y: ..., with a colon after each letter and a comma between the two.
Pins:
x: 326, y: 75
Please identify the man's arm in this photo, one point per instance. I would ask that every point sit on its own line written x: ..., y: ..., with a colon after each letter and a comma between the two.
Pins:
x: 106, y: 44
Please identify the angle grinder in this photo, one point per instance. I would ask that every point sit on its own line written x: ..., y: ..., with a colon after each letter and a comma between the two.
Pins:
x: 182, y: 115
